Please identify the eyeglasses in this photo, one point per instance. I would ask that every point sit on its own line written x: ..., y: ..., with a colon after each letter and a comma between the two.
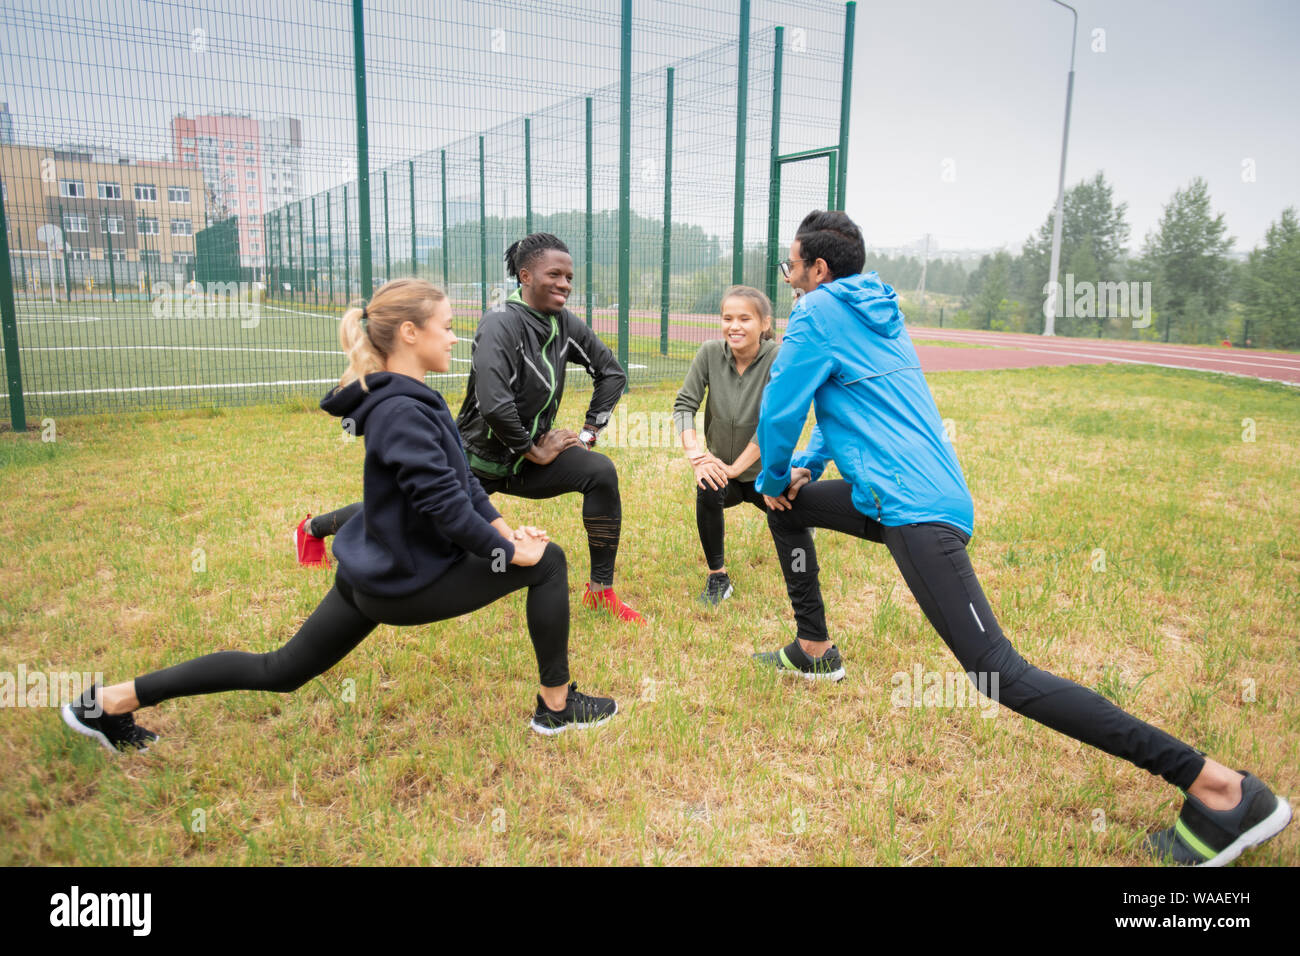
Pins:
x: 785, y: 266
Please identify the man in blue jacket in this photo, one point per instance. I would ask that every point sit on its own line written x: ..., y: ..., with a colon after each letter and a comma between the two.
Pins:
x: 847, y: 352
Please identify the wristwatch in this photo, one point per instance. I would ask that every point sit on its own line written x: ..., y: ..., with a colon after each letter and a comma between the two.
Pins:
x: 587, y: 437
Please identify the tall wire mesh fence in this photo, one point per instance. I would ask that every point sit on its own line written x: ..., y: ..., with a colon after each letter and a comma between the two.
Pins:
x: 185, y: 218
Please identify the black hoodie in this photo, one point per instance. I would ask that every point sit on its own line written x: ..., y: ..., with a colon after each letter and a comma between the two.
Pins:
x: 423, y: 509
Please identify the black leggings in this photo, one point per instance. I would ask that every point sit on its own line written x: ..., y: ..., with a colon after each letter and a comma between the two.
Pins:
x: 709, y: 505
x: 574, y: 469
x: 933, y: 561
x: 593, y: 476
x: 345, y: 617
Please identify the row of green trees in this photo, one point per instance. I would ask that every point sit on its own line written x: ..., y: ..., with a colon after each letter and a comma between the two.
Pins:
x: 1198, y: 292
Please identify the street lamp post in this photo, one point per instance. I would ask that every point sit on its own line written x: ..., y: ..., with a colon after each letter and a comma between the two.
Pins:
x: 1049, y: 308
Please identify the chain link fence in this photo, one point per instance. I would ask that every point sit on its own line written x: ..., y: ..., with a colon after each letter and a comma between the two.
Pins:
x: 193, y: 193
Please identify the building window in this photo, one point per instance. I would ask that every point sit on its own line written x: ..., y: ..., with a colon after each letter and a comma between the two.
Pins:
x: 252, y: 188
x: 146, y: 192
x: 256, y: 247
x: 75, y: 224
x: 119, y: 255
x: 110, y: 225
x: 150, y: 257
x: 252, y: 204
x: 110, y: 190
x: 230, y: 157
x: 178, y: 194
x: 189, y: 157
x: 78, y: 255
x: 72, y: 189
x: 146, y: 227
x: 182, y: 227
x: 250, y: 160
x: 230, y: 144
x: 187, y: 140
x: 182, y: 258
x: 251, y: 174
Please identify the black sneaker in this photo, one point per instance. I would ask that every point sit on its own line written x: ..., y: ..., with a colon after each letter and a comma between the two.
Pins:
x: 1204, y: 837
x: 718, y: 589
x: 115, y: 731
x: 580, y: 710
x: 791, y: 659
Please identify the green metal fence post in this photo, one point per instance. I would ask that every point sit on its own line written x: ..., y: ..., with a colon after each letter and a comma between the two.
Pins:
x: 589, y: 240
x: 774, y: 169
x: 846, y: 89
x: 347, y: 251
x: 112, y: 273
x: 742, y: 109
x: 388, y: 255
x: 9, y: 330
x: 302, y: 255
x: 67, y: 272
x: 668, y: 216
x: 625, y: 186
x: 329, y: 243
x: 446, y: 274
x: 315, y: 256
x: 285, y: 242
x: 528, y: 176
x: 415, y: 266
x: 832, y: 181
x: 363, y: 152
x: 482, y: 227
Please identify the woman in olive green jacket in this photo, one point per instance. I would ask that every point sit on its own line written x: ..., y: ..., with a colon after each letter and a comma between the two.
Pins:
x: 733, y: 371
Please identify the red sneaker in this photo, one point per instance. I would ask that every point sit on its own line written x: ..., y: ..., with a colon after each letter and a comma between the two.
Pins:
x: 608, y: 600
x: 310, y: 549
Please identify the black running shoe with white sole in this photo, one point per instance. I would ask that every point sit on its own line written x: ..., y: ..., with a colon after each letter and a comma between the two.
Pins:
x: 580, y: 710
x: 115, y: 731
x: 1204, y: 837
x: 791, y: 659
x: 718, y: 588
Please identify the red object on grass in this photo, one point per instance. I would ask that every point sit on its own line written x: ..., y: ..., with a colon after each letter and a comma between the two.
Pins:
x: 310, y: 549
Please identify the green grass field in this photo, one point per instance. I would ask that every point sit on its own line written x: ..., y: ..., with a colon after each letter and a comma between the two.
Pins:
x: 1141, y: 471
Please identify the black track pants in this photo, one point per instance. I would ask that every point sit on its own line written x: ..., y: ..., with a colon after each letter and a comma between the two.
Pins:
x: 345, y: 617
x: 933, y: 561
x: 709, y: 505
x: 590, y: 474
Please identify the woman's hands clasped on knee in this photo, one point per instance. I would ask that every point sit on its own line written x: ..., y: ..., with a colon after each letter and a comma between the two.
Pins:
x: 710, y: 472
x: 530, y: 543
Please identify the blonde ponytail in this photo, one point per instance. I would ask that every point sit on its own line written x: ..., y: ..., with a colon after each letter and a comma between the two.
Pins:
x: 367, y: 333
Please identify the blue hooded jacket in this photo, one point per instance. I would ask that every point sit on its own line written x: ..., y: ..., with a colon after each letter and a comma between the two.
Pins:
x: 847, y: 352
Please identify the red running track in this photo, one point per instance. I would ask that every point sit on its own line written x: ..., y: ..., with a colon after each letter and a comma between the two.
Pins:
x: 1018, y: 350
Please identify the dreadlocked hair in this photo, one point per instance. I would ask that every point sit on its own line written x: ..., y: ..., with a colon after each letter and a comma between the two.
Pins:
x: 522, y: 254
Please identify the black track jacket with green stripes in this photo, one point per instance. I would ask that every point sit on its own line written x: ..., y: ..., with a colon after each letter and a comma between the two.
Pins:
x: 516, y: 382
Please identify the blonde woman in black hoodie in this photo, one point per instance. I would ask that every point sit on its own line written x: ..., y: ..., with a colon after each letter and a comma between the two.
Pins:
x: 428, y: 545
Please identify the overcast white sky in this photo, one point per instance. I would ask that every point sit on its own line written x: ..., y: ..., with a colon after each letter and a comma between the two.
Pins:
x: 1183, y: 89
x: 971, y: 88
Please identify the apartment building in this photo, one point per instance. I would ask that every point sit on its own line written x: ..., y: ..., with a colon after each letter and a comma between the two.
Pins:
x: 249, y: 165
x: 142, y: 215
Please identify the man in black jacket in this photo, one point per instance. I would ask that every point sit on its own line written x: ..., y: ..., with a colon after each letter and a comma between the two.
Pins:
x: 513, y: 396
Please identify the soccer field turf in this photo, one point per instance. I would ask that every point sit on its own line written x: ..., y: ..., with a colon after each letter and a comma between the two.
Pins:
x: 100, y: 356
